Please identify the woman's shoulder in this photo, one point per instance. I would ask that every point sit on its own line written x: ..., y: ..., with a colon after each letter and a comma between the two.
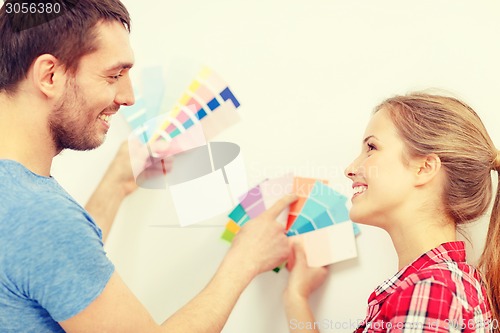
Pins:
x: 456, y: 281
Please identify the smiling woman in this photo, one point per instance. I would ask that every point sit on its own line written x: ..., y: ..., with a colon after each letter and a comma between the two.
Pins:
x: 424, y: 170
x: 450, y: 129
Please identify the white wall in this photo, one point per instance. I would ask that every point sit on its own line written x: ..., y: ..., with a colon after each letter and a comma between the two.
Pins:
x: 307, y: 73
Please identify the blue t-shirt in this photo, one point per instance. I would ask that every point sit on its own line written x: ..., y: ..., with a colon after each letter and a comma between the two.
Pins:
x: 52, y: 261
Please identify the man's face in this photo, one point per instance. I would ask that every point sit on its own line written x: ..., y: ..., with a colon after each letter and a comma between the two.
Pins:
x: 100, y: 86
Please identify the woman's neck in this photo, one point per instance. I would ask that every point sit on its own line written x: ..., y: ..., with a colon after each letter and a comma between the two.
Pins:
x: 414, y: 237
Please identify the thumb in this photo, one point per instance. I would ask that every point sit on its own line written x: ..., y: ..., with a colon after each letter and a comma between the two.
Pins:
x: 281, y: 204
x: 297, y: 255
x: 299, y: 252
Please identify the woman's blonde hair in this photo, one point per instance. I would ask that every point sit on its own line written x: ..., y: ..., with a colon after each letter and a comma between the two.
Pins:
x: 447, y: 127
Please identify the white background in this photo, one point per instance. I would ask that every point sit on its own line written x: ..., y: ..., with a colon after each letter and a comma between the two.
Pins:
x: 308, y: 73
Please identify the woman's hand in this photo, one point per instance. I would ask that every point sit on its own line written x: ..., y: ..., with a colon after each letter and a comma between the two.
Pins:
x: 303, y: 280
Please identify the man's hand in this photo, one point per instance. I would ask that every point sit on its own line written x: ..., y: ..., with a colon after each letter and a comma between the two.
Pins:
x: 261, y: 244
x: 133, y: 159
x: 119, y: 181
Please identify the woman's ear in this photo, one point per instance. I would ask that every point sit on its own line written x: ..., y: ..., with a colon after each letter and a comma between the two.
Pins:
x: 48, y: 75
x: 428, y: 169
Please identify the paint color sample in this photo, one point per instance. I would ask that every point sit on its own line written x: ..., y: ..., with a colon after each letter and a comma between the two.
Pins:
x: 231, y: 230
x: 203, y: 111
x: 228, y: 236
x: 135, y: 115
x: 320, y: 199
x: 202, y: 94
x: 222, y: 118
x: 256, y: 210
x: 237, y: 214
x: 323, y: 207
x: 232, y: 227
x: 322, y: 223
x: 227, y: 94
x: 250, y: 198
x: 302, y: 187
x: 330, y: 245
x: 252, y: 202
x: 213, y: 105
x: 153, y: 89
x: 207, y: 100
x: 214, y: 82
x: 149, y: 96
x: 273, y: 190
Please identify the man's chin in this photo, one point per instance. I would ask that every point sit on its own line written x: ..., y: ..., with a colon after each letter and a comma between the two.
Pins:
x: 84, y: 146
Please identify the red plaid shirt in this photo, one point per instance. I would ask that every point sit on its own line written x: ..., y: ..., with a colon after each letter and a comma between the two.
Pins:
x: 438, y: 292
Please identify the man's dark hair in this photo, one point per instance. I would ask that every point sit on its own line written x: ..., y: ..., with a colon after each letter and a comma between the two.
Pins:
x: 67, y: 36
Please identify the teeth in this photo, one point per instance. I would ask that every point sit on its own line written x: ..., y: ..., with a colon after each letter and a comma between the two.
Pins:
x: 104, y: 117
x: 359, y: 189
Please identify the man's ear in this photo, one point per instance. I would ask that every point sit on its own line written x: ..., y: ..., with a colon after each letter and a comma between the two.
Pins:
x: 428, y: 169
x: 48, y: 75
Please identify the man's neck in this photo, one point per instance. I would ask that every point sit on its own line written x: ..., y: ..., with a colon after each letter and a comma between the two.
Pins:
x: 24, y: 135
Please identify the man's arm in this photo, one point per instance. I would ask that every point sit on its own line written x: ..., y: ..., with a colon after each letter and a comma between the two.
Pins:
x: 117, y: 183
x: 260, y: 246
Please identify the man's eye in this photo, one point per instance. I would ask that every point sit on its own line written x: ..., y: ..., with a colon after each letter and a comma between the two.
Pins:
x: 116, y: 77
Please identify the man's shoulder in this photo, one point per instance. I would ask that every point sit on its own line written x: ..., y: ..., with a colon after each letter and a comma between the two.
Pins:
x: 32, y: 204
x: 21, y: 187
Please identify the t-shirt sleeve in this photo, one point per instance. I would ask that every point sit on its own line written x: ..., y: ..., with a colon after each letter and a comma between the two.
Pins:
x: 60, y: 263
x: 426, y: 306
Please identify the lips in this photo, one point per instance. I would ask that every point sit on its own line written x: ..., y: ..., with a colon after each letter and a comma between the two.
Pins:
x: 106, y: 115
x: 359, y: 188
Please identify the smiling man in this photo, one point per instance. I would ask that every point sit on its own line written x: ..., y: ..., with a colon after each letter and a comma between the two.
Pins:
x: 81, y: 118
x: 61, y: 79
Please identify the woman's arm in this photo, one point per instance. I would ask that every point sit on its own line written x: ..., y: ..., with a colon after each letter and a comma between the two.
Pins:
x: 302, y: 282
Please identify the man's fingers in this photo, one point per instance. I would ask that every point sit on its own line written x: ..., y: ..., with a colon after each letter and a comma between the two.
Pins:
x: 160, y: 149
x: 281, y: 204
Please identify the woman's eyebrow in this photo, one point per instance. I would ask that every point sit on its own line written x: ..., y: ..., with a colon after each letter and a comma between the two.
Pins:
x: 369, y: 137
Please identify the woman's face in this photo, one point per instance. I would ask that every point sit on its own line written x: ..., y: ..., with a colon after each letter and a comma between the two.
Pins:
x: 382, y: 183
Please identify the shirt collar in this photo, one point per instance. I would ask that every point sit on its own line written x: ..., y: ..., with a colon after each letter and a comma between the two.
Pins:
x: 446, y: 252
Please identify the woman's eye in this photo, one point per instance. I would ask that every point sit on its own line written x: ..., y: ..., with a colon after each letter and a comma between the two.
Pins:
x: 371, y: 147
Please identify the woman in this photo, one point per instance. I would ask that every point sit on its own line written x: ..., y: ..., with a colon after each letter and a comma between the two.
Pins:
x: 424, y: 170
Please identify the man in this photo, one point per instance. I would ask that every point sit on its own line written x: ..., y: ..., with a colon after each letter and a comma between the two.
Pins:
x: 60, y: 82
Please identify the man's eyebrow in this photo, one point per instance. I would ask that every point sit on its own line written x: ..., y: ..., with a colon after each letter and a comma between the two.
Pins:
x: 120, y: 66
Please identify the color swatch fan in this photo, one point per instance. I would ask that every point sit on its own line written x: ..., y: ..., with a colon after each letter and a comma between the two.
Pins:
x: 322, y: 208
x: 149, y: 96
x: 319, y: 217
x: 208, y: 101
x: 256, y: 201
x: 205, y: 174
x: 204, y: 110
